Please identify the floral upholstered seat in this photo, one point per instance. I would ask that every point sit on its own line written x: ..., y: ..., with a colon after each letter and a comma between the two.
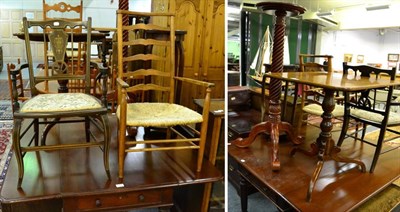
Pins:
x: 60, y: 103
x: 159, y: 114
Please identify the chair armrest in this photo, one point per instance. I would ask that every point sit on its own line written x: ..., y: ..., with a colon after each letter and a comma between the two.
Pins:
x: 122, y: 83
x: 21, y: 66
x: 196, y: 82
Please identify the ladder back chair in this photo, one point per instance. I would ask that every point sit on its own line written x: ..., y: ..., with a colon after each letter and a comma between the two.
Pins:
x: 22, y: 92
x: 159, y: 79
x: 310, y: 96
x: 362, y: 109
x: 51, y: 108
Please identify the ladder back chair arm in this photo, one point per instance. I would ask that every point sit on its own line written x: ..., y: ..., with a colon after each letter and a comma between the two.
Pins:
x: 196, y: 82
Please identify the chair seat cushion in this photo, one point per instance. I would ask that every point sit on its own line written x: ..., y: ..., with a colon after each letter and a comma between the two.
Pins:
x: 60, y: 102
x: 316, y: 109
x: 156, y: 114
x: 394, y: 118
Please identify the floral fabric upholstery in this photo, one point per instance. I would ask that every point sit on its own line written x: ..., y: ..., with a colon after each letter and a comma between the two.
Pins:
x: 60, y: 102
x: 316, y: 109
x: 393, y: 117
x: 159, y: 115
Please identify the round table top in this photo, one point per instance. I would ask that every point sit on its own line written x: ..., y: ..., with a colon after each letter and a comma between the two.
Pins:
x: 271, y: 7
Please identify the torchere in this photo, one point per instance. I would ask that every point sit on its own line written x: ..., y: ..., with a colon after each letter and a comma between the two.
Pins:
x: 274, y: 125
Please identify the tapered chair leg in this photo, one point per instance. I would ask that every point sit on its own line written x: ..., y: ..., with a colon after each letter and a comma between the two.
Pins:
x: 106, y: 147
x: 377, y: 151
x: 121, y: 150
x: 17, y: 149
x: 36, y: 130
x: 364, y: 131
x: 87, y: 129
x: 345, y: 127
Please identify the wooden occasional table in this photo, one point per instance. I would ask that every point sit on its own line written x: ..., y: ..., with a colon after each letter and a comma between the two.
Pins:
x: 324, y: 146
x: 75, y: 180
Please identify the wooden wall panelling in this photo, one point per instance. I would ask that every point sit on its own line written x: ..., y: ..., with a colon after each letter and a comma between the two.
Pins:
x: 14, y: 48
x: 203, y: 45
x: 213, y: 58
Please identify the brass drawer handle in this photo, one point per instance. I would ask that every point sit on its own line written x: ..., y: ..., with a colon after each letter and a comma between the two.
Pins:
x: 141, y: 197
x: 98, y: 203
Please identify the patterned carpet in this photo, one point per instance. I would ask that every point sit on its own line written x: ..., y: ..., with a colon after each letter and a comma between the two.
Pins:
x: 4, y: 90
x: 5, y: 148
x: 5, y: 110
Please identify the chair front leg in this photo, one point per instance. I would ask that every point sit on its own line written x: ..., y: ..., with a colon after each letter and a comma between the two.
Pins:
x: 17, y: 149
x: 106, y: 145
x: 121, y: 133
x: 87, y: 129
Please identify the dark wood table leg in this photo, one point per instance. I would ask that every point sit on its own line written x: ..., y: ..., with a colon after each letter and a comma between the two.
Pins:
x: 274, y: 125
x: 243, y: 193
x: 324, y: 147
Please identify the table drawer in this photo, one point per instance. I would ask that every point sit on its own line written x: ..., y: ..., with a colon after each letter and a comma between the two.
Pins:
x: 277, y: 199
x: 132, y: 199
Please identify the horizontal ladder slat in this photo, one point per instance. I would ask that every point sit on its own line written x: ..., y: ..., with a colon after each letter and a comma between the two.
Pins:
x: 146, y: 87
x: 145, y: 27
x: 145, y: 72
x: 146, y: 42
x: 143, y: 57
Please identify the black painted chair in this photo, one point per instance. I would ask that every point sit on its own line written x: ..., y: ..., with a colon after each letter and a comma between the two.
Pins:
x: 362, y: 109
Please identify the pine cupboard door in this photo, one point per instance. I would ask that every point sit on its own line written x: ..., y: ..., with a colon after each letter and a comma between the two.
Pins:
x: 204, y: 44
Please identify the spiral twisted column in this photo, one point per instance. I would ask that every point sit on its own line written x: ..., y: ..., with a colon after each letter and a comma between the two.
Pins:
x: 277, y: 66
x: 274, y: 125
x: 124, y: 5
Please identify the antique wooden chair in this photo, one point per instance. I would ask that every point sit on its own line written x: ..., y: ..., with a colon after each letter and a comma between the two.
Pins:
x: 66, y: 11
x: 69, y: 107
x: 310, y: 96
x: 22, y: 92
x: 362, y: 109
x: 159, y: 88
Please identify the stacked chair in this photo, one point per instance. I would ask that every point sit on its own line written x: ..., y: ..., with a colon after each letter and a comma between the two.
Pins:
x: 310, y: 96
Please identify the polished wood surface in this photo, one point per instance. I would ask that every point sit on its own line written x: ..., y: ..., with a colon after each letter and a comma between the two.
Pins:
x: 72, y: 176
x: 324, y: 147
x: 341, y: 187
x: 334, y: 81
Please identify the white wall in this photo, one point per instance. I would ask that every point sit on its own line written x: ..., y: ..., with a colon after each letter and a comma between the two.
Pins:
x: 369, y: 42
x: 103, y: 13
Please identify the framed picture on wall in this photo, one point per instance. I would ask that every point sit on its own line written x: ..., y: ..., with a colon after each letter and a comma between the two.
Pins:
x: 360, y: 58
x: 348, y: 58
x: 393, y: 57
